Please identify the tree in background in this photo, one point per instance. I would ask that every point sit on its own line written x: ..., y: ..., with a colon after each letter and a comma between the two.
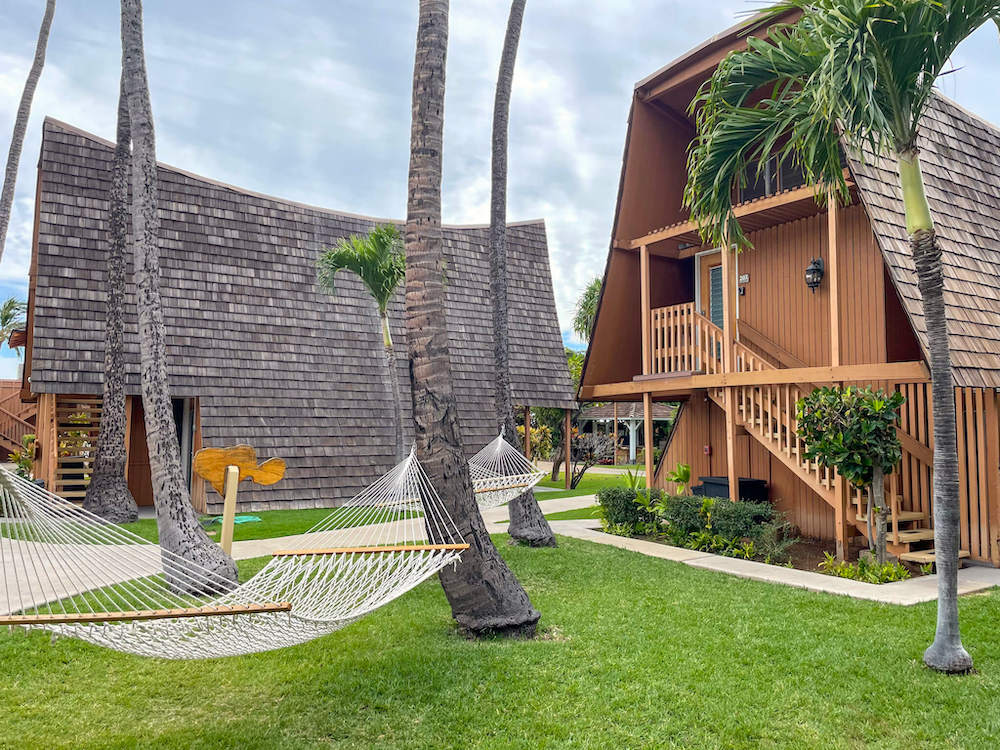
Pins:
x: 554, y: 419
x: 12, y: 313
x: 21, y: 122
x: 485, y: 596
x: 586, y: 309
x: 859, y: 73
x: 108, y: 494
x: 853, y: 430
x: 379, y: 262
x: 527, y: 524
x: 178, y: 525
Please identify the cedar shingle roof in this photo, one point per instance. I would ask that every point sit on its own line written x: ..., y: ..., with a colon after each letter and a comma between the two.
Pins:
x: 275, y: 361
x: 960, y: 156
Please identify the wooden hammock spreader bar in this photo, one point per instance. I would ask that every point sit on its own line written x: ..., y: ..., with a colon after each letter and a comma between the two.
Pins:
x: 499, y: 489
x: 361, y: 550
x: 69, y: 618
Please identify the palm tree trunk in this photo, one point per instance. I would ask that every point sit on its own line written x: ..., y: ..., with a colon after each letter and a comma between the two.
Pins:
x: 392, y: 382
x: 878, y: 498
x: 946, y: 654
x: 179, y: 529
x: 484, y: 594
x: 21, y: 122
x: 527, y: 524
x: 107, y: 494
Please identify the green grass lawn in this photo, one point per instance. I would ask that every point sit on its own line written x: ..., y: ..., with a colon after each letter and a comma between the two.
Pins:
x: 594, y: 511
x: 272, y: 523
x: 589, y: 485
x: 634, y: 652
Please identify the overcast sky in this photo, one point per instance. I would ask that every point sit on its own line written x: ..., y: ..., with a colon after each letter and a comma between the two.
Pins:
x: 310, y: 100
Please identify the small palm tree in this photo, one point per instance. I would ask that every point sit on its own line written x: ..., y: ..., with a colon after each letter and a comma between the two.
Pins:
x: 21, y: 121
x: 12, y: 318
x: 858, y: 73
x: 586, y: 309
x: 379, y: 262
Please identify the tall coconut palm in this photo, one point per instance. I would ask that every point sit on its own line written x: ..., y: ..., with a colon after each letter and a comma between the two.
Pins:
x: 527, y: 523
x: 178, y: 525
x: 108, y: 494
x: 586, y: 309
x: 861, y: 73
x: 21, y: 122
x: 379, y: 262
x: 484, y: 594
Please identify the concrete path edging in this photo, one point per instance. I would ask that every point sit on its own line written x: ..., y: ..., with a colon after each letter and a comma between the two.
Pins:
x: 971, y: 579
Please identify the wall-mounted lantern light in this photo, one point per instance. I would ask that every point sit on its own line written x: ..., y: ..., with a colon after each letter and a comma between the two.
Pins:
x: 814, y: 274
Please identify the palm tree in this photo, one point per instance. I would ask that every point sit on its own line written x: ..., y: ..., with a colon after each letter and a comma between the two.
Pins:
x: 527, y: 523
x: 586, y: 309
x: 178, y: 525
x: 484, y: 594
x: 379, y: 262
x: 108, y: 494
x: 21, y: 122
x: 861, y: 73
x: 12, y: 318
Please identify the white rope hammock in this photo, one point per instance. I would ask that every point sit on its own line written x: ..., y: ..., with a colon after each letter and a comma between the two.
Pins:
x: 501, y: 473
x: 70, y: 572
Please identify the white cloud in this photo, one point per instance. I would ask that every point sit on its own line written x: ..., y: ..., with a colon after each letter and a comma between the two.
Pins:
x: 310, y: 100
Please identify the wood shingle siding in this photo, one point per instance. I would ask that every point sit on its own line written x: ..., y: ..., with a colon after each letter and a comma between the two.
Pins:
x: 960, y: 156
x: 275, y: 361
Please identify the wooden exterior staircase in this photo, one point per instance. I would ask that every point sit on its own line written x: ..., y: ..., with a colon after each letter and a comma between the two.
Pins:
x: 17, y: 418
x: 685, y: 340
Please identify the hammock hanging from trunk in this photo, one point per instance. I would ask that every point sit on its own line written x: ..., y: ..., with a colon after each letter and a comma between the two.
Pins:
x: 500, y: 473
x: 70, y: 572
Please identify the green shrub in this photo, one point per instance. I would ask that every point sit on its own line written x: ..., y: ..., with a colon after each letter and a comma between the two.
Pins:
x: 688, y: 514
x: 775, y: 540
x: 618, y: 504
x: 865, y: 569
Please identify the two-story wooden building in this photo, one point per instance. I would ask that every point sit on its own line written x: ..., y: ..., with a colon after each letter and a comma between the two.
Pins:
x: 738, y: 338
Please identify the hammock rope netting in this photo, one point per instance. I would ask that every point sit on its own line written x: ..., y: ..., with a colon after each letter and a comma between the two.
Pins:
x: 68, y: 571
x: 500, y: 473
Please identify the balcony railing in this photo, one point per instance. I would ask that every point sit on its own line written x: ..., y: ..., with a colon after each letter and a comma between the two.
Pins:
x: 684, y: 341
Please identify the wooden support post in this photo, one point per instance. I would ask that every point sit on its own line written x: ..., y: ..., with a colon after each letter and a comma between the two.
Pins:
x: 647, y: 436
x: 527, y: 432
x: 567, y: 433
x: 229, y: 508
x: 644, y: 304
x: 833, y: 272
x: 614, y: 413
x: 992, y: 402
x: 729, y: 302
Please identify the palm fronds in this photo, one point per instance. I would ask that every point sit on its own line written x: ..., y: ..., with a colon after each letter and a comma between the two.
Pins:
x: 376, y: 258
x: 857, y: 71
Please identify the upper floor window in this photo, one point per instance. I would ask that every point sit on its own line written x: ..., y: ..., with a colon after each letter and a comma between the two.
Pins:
x: 771, y: 180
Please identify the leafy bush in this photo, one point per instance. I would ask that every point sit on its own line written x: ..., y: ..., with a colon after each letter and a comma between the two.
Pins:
x: 865, y: 569
x: 775, y: 540
x: 618, y: 504
x: 23, y: 459
x: 689, y: 515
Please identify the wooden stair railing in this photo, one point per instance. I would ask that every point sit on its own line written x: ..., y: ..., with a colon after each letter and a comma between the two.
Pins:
x: 684, y: 340
x: 12, y: 431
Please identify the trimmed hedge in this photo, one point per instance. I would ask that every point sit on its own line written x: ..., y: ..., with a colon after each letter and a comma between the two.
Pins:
x: 729, y: 519
x: 620, y: 508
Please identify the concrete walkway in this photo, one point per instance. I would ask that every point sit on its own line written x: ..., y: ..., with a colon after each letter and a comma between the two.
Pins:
x: 913, y: 591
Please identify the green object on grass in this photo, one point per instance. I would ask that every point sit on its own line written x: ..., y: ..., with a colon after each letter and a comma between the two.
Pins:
x: 239, y: 519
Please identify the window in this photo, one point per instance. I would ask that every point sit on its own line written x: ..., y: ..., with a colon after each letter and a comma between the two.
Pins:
x: 715, y: 295
x: 771, y: 180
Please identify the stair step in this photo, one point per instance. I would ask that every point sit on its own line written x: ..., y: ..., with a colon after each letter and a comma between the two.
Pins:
x: 909, y: 537
x: 904, y: 516
x: 925, y: 556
